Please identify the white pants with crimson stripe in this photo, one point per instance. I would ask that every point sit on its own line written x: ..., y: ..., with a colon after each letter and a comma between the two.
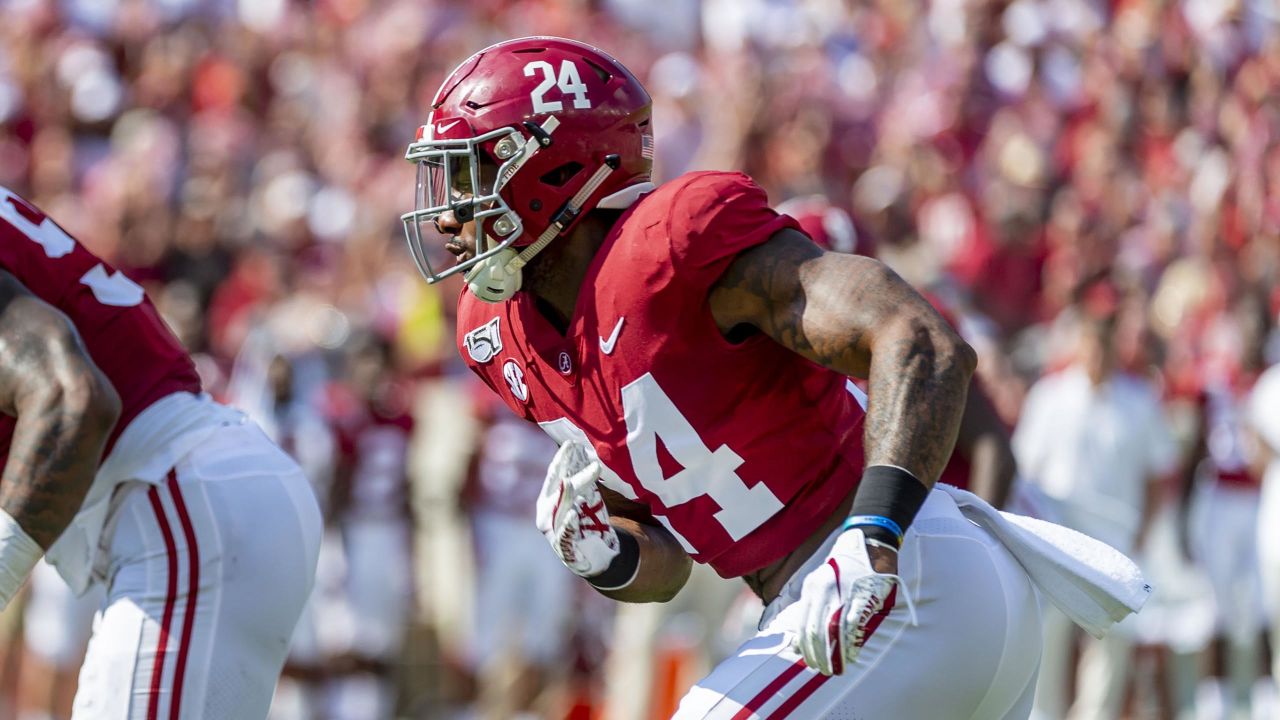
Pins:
x: 209, y: 571
x: 973, y: 656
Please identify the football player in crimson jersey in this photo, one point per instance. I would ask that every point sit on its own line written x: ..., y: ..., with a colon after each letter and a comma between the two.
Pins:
x: 1222, y: 486
x: 118, y: 467
x: 690, y: 349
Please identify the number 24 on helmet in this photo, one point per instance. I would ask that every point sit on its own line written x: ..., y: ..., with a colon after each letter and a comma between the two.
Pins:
x: 524, y: 138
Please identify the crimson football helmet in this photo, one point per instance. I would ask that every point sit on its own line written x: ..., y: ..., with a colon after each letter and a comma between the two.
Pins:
x: 524, y: 138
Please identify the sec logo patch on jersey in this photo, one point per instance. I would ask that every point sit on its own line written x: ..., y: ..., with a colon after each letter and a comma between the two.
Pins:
x: 484, y: 342
x: 514, y: 375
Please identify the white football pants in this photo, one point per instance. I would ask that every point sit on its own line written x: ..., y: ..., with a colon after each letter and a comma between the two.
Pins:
x: 209, y: 571
x: 973, y: 656
x: 1269, y: 557
x: 1229, y: 514
x: 524, y: 599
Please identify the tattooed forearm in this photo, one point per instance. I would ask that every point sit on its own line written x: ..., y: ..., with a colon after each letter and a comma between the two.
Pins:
x: 65, y: 410
x: 916, y: 392
x: 856, y: 316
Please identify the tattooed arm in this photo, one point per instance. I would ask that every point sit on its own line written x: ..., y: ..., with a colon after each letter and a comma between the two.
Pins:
x: 65, y: 409
x: 856, y: 316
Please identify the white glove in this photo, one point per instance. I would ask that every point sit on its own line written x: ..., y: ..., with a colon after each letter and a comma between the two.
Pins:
x: 571, y: 512
x: 842, y: 602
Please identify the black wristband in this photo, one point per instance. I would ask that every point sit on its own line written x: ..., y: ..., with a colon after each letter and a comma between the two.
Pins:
x: 624, y: 566
x: 889, y: 492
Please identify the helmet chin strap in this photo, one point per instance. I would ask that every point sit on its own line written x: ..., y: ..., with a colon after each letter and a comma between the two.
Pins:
x: 566, y: 216
x: 489, y: 279
x: 498, y: 278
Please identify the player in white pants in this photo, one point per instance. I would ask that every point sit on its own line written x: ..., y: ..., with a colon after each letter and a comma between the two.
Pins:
x: 962, y: 583
x: 55, y: 628
x: 122, y: 473
x: 524, y: 601
x: 213, y: 529
x: 1264, y: 422
x: 718, y: 433
x: 523, y: 604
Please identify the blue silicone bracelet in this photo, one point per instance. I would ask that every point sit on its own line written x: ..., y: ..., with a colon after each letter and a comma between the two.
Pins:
x: 876, y: 520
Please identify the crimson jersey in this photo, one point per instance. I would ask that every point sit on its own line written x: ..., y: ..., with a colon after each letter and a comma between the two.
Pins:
x: 513, y: 459
x: 373, y: 444
x: 740, y: 450
x: 119, y: 326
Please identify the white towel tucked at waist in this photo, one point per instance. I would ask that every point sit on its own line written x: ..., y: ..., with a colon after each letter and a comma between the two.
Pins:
x: 152, y: 444
x: 1091, y: 582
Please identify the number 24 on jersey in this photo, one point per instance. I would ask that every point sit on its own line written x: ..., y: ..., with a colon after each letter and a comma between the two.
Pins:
x: 651, y: 416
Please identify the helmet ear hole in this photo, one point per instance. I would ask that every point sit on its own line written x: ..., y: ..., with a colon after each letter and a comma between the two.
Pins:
x: 562, y: 174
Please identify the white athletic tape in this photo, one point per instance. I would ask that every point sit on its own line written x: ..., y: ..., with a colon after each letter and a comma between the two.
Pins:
x: 18, y: 555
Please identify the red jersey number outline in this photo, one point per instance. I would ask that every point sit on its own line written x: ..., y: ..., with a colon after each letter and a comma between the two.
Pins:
x: 650, y: 415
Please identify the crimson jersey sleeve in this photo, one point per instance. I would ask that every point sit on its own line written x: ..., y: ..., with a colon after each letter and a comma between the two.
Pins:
x: 120, y: 328
x: 713, y: 217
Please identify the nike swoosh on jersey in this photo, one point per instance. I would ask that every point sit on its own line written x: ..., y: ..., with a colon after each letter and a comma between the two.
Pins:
x: 607, y: 345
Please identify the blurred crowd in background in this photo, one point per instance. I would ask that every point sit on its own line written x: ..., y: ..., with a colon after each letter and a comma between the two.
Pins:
x: 1065, y: 175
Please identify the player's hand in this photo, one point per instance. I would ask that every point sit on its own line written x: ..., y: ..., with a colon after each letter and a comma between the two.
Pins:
x: 843, y: 601
x: 571, y: 512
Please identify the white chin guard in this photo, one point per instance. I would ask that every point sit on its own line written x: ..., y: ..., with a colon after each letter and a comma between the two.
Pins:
x: 490, y: 280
